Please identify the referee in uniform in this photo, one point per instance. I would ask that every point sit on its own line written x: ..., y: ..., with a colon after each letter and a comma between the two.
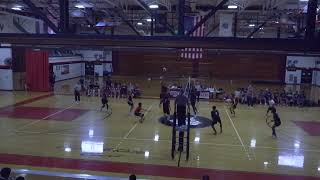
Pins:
x: 181, y: 105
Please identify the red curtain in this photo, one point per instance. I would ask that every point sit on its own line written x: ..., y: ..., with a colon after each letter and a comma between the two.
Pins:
x: 37, y: 70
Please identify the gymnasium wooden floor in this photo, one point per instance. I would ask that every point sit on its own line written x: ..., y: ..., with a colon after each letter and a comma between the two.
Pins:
x: 44, y: 136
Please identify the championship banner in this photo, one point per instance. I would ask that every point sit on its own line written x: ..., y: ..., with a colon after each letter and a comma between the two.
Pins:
x: 225, y: 27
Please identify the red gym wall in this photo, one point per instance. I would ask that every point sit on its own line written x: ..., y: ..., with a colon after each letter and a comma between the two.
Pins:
x: 37, y: 70
x: 264, y: 67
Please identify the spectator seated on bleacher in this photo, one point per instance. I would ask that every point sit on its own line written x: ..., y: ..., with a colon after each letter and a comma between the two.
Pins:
x: 5, y: 173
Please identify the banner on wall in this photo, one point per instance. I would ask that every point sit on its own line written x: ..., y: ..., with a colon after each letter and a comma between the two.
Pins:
x: 65, y: 69
x: 300, y: 69
x: 5, y: 56
x: 225, y: 27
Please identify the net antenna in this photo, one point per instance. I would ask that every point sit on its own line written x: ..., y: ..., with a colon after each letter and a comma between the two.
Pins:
x: 187, y: 89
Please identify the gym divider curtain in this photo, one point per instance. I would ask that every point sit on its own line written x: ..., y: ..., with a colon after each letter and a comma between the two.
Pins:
x: 37, y: 70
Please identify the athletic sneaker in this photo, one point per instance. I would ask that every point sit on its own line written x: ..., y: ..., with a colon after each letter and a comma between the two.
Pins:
x: 274, y: 136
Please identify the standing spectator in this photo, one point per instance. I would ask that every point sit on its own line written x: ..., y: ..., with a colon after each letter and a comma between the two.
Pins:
x: 77, y: 89
x: 82, y: 83
x: 5, y: 173
x: 117, y: 87
x: 132, y: 177
x: 108, y: 82
x: 250, y: 96
x: 52, y: 80
x: 130, y: 88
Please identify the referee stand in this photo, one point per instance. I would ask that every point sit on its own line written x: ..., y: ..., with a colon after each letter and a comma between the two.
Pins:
x: 182, y: 140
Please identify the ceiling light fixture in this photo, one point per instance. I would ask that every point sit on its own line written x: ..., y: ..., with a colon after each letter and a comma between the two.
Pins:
x: 17, y: 7
x: 80, y: 6
x: 232, y: 7
x: 153, y: 6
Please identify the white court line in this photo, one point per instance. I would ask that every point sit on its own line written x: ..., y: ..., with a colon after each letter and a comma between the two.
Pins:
x: 169, y: 141
x: 133, y: 127
x: 239, y: 137
x: 34, y: 122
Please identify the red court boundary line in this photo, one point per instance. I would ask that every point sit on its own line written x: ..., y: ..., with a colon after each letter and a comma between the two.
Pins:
x: 141, y: 169
x: 31, y: 100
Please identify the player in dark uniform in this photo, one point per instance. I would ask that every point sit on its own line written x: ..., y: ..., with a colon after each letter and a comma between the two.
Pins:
x: 130, y: 102
x: 215, y: 119
x: 277, y: 122
x: 165, y: 101
x: 233, y: 106
x: 104, y: 100
x: 193, y: 100
x: 271, y: 107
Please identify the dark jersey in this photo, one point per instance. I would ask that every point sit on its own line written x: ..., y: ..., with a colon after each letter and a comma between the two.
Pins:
x: 271, y: 109
x: 215, y: 115
x: 276, y: 119
x: 166, y: 101
x: 234, y: 102
x: 193, y: 97
x: 166, y: 105
x: 104, y: 98
x: 130, y: 100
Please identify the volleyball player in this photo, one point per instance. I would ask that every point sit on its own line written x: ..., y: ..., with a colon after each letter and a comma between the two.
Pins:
x: 277, y: 122
x: 130, y: 102
x: 215, y: 119
x: 193, y: 100
x: 104, y: 100
x: 271, y: 107
x: 233, y: 106
x: 165, y: 101
x: 138, y: 112
x: 77, y: 89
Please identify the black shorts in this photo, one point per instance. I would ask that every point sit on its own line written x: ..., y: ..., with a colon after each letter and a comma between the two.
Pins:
x: 130, y: 103
x: 104, y: 101
x: 166, y: 110
x: 234, y: 106
x: 277, y: 124
x: 138, y: 114
x: 215, y: 121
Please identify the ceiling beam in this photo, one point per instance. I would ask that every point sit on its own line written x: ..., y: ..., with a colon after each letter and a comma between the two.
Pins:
x: 42, y: 16
x: 92, y: 26
x: 21, y: 13
x: 174, y: 42
x: 256, y: 29
x: 123, y: 16
x: 152, y: 14
x: 125, y: 19
x: 208, y: 16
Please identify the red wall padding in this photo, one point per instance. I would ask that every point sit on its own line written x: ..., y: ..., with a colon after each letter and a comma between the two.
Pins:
x: 37, y: 70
